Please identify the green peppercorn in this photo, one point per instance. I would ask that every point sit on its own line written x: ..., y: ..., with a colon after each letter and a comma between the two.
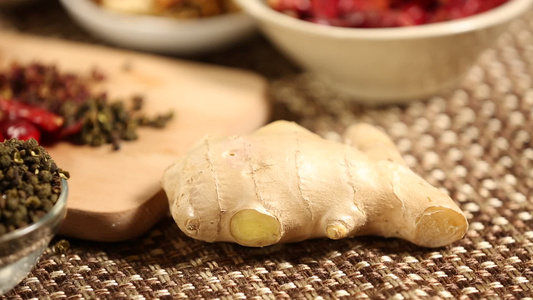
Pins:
x: 45, y: 176
x: 5, y: 161
x: 64, y: 174
x: 61, y: 247
x: 33, y: 202
x: 17, y: 158
x: 30, y: 183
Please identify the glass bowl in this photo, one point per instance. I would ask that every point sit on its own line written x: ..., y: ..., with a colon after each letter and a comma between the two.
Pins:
x: 20, y: 249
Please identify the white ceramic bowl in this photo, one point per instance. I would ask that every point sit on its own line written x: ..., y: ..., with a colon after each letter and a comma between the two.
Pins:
x: 161, y: 34
x: 390, y: 64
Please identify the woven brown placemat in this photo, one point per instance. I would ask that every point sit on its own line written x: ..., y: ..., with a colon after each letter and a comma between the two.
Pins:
x: 475, y: 142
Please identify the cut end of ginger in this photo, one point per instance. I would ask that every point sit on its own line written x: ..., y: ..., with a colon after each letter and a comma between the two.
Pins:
x: 336, y: 231
x: 439, y: 226
x: 252, y: 228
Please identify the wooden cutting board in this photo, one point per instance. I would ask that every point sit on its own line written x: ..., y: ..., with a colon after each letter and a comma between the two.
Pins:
x: 116, y: 195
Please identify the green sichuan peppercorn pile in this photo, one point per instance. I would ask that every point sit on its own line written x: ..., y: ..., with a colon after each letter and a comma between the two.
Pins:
x: 109, y: 122
x: 30, y: 183
x: 40, y: 102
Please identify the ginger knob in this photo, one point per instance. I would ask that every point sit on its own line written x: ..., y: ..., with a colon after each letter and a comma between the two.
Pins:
x: 283, y: 183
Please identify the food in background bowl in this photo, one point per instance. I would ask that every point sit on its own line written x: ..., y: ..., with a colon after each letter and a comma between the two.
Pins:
x: 181, y: 9
x: 161, y: 34
x: 382, y: 13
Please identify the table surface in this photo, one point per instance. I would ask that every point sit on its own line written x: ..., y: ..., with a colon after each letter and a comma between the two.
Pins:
x: 475, y: 142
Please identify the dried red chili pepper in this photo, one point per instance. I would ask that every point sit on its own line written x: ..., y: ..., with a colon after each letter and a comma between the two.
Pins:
x: 46, y: 120
x: 19, y: 129
x: 70, y: 130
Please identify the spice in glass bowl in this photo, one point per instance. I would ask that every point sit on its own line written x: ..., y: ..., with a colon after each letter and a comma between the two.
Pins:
x: 30, y: 183
x: 381, y: 13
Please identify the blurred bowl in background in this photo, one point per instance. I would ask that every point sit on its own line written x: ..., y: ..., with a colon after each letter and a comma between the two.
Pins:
x: 161, y: 34
x: 21, y: 249
x: 386, y: 65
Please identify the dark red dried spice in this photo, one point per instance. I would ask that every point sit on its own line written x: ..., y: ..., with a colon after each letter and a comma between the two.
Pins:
x: 382, y: 13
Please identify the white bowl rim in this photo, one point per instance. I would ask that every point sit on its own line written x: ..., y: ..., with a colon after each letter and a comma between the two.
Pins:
x: 146, y: 23
x: 503, y: 13
x: 49, y: 216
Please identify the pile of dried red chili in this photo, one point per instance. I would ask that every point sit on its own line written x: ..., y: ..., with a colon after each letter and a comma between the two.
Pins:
x: 381, y: 13
x: 38, y: 101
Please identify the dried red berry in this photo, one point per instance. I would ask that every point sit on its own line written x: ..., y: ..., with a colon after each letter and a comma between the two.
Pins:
x: 412, y: 15
x: 372, y: 5
x: 382, y: 13
x: 325, y: 8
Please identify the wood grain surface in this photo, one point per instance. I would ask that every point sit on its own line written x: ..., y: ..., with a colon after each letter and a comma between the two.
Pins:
x: 116, y: 195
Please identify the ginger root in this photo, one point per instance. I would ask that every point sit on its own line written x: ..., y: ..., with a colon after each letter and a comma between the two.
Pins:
x: 283, y: 183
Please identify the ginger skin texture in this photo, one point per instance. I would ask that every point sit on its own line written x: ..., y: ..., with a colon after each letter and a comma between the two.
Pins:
x: 283, y: 183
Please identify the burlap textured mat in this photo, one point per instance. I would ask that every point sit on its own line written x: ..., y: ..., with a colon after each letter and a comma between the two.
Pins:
x: 475, y: 142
